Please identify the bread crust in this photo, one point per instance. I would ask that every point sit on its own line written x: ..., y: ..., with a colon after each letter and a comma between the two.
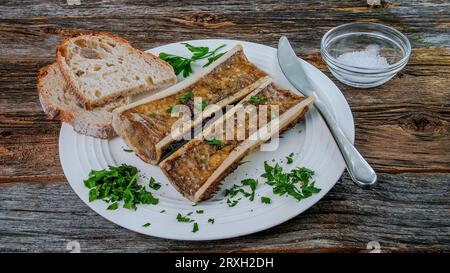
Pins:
x: 61, y: 48
x: 52, y: 111
x: 73, y: 117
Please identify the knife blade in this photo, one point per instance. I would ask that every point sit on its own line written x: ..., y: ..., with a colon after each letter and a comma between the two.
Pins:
x: 360, y: 171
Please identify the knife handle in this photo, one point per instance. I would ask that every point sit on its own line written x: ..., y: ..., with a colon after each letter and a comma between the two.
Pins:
x: 360, y: 171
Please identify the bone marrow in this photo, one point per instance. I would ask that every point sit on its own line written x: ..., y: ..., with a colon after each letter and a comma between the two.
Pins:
x: 197, y: 169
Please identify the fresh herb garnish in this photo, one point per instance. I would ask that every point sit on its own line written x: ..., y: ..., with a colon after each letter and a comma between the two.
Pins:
x: 195, y: 227
x: 162, y: 211
x: 296, y: 183
x: 113, y: 206
x: 211, y: 220
x: 256, y: 100
x: 117, y: 184
x: 128, y: 150
x: 212, y: 59
x: 146, y: 225
x: 169, y: 110
x: 232, y: 203
x: 252, y: 183
x: 189, y: 213
x: 215, y: 141
x: 200, y: 211
x: 183, y: 64
x: 198, y: 51
x: 234, y: 190
x: 186, y: 97
x: 171, y: 149
x: 290, y: 158
x: 152, y: 184
x: 265, y: 200
x: 201, y: 105
x: 184, y: 219
x: 179, y: 64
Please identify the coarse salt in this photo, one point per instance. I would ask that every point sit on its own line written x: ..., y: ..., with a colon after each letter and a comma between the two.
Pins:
x: 369, y: 58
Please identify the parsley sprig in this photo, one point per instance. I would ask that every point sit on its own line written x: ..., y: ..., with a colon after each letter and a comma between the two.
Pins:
x: 290, y: 158
x: 184, y: 65
x: 215, y: 141
x: 296, y: 183
x: 186, y: 97
x: 236, y: 189
x: 184, y: 219
x: 118, y: 184
x: 256, y: 100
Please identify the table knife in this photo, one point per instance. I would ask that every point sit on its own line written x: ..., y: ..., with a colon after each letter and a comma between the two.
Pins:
x: 360, y: 171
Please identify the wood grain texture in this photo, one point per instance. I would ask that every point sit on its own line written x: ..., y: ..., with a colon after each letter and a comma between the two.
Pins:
x: 403, y: 213
x: 402, y: 127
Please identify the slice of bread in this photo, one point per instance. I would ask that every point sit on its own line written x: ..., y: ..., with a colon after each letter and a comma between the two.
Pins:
x: 101, y: 67
x: 60, y: 102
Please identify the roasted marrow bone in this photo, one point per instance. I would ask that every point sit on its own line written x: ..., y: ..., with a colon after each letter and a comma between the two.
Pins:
x: 197, y: 169
x: 146, y: 125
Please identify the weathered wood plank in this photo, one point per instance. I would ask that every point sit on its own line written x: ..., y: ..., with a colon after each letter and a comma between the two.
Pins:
x: 403, y: 213
x: 36, y: 26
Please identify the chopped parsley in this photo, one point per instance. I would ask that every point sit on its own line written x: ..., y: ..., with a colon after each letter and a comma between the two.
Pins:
x: 200, y: 211
x: 252, y: 183
x: 128, y: 150
x: 265, y: 200
x: 152, y: 184
x: 290, y: 158
x: 162, y: 211
x: 187, y: 97
x: 215, y: 141
x: 184, y: 219
x: 211, y: 221
x: 195, y: 228
x: 118, y: 184
x: 296, y: 183
x: 171, y: 149
x: 232, y: 203
x: 146, y: 225
x: 255, y: 100
x: 169, y: 110
x: 113, y: 206
x: 236, y: 189
x: 201, y: 105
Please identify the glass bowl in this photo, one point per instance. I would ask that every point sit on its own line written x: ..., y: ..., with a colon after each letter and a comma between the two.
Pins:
x: 364, y: 55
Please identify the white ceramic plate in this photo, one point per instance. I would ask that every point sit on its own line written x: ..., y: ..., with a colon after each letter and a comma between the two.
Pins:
x: 310, y: 141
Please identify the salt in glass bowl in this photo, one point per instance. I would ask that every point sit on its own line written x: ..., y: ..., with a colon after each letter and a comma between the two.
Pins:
x: 365, y: 55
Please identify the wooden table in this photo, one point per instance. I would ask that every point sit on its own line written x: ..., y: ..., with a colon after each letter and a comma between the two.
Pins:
x: 402, y: 127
